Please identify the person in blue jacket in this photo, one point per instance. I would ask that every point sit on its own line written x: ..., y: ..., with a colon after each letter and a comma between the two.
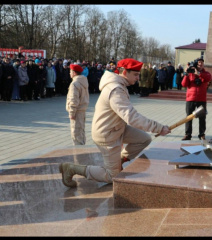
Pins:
x: 85, y: 71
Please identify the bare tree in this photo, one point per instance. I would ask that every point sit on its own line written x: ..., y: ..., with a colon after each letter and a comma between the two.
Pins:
x: 26, y: 17
x: 6, y: 26
x: 72, y: 27
x: 116, y: 21
x: 77, y: 31
x: 130, y: 39
x: 95, y: 31
x: 55, y: 17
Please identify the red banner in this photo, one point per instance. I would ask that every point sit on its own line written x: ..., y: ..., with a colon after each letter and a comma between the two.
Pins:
x: 27, y: 53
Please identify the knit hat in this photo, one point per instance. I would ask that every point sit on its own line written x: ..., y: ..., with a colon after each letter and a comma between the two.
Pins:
x: 37, y: 61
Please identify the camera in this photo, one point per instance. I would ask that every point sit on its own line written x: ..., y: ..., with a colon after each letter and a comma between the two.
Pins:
x: 198, y: 81
x: 191, y: 69
x: 193, y: 65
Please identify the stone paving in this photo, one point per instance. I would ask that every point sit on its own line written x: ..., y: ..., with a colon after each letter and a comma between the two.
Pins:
x: 35, y: 139
x: 30, y: 128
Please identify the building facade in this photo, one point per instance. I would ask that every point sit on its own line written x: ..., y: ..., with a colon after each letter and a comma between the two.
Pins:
x: 189, y: 53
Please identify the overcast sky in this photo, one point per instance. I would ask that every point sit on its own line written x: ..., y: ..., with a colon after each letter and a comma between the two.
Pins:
x: 176, y: 25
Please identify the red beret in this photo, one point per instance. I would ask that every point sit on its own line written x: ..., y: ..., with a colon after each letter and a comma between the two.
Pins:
x: 76, y: 67
x: 23, y: 62
x: 130, y: 64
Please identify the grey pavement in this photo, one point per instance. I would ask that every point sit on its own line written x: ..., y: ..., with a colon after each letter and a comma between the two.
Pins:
x: 31, y: 128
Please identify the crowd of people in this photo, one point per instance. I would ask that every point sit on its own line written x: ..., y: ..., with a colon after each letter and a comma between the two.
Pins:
x: 153, y: 79
x: 32, y: 79
x: 22, y: 79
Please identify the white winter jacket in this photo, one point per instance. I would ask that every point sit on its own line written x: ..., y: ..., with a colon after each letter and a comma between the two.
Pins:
x: 113, y: 111
x: 78, y: 95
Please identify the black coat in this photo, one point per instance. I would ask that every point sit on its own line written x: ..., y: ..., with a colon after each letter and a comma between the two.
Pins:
x: 99, y: 74
x: 170, y: 72
x: 32, y: 71
x: 179, y: 75
x: 8, y: 71
x: 66, y: 75
x: 162, y: 75
x: 1, y: 71
x: 92, y: 75
x: 59, y: 71
x: 42, y: 74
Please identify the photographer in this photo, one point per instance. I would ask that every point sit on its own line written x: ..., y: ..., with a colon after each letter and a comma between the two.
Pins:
x: 196, y: 80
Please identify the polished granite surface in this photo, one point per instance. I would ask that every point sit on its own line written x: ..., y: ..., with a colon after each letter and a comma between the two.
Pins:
x: 153, y: 183
x: 34, y: 202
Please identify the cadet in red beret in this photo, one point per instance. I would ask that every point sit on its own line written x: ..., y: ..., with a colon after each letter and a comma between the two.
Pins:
x: 118, y: 130
x: 76, y: 68
x: 130, y: 64
x: 76, y: 104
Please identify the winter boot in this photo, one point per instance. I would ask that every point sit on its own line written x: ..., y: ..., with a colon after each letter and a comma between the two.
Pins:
x: 201, y: 137
x: 186, y: 137
x: 68, y: 170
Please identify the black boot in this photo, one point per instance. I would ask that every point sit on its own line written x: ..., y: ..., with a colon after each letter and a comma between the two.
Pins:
x: 201, y: 137
x: 186, y: 137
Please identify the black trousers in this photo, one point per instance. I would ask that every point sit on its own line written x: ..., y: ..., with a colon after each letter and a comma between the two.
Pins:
x: 49, y: 92
x: 179, y: 86
x: 23, y: 92
x: 144, y: 91
x: 36, y: 88
x: 190, y: 107
x: 170, y: 83
x: 162, y: 86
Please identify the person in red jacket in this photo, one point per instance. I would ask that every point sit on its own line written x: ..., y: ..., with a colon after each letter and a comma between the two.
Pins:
x: 196, y: 81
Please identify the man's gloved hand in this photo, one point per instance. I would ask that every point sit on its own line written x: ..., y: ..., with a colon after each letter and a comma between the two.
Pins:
x: 165, y: 130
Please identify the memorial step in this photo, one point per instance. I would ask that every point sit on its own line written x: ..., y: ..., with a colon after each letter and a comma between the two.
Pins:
x: 151, y: 182
x: 178, y: 95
